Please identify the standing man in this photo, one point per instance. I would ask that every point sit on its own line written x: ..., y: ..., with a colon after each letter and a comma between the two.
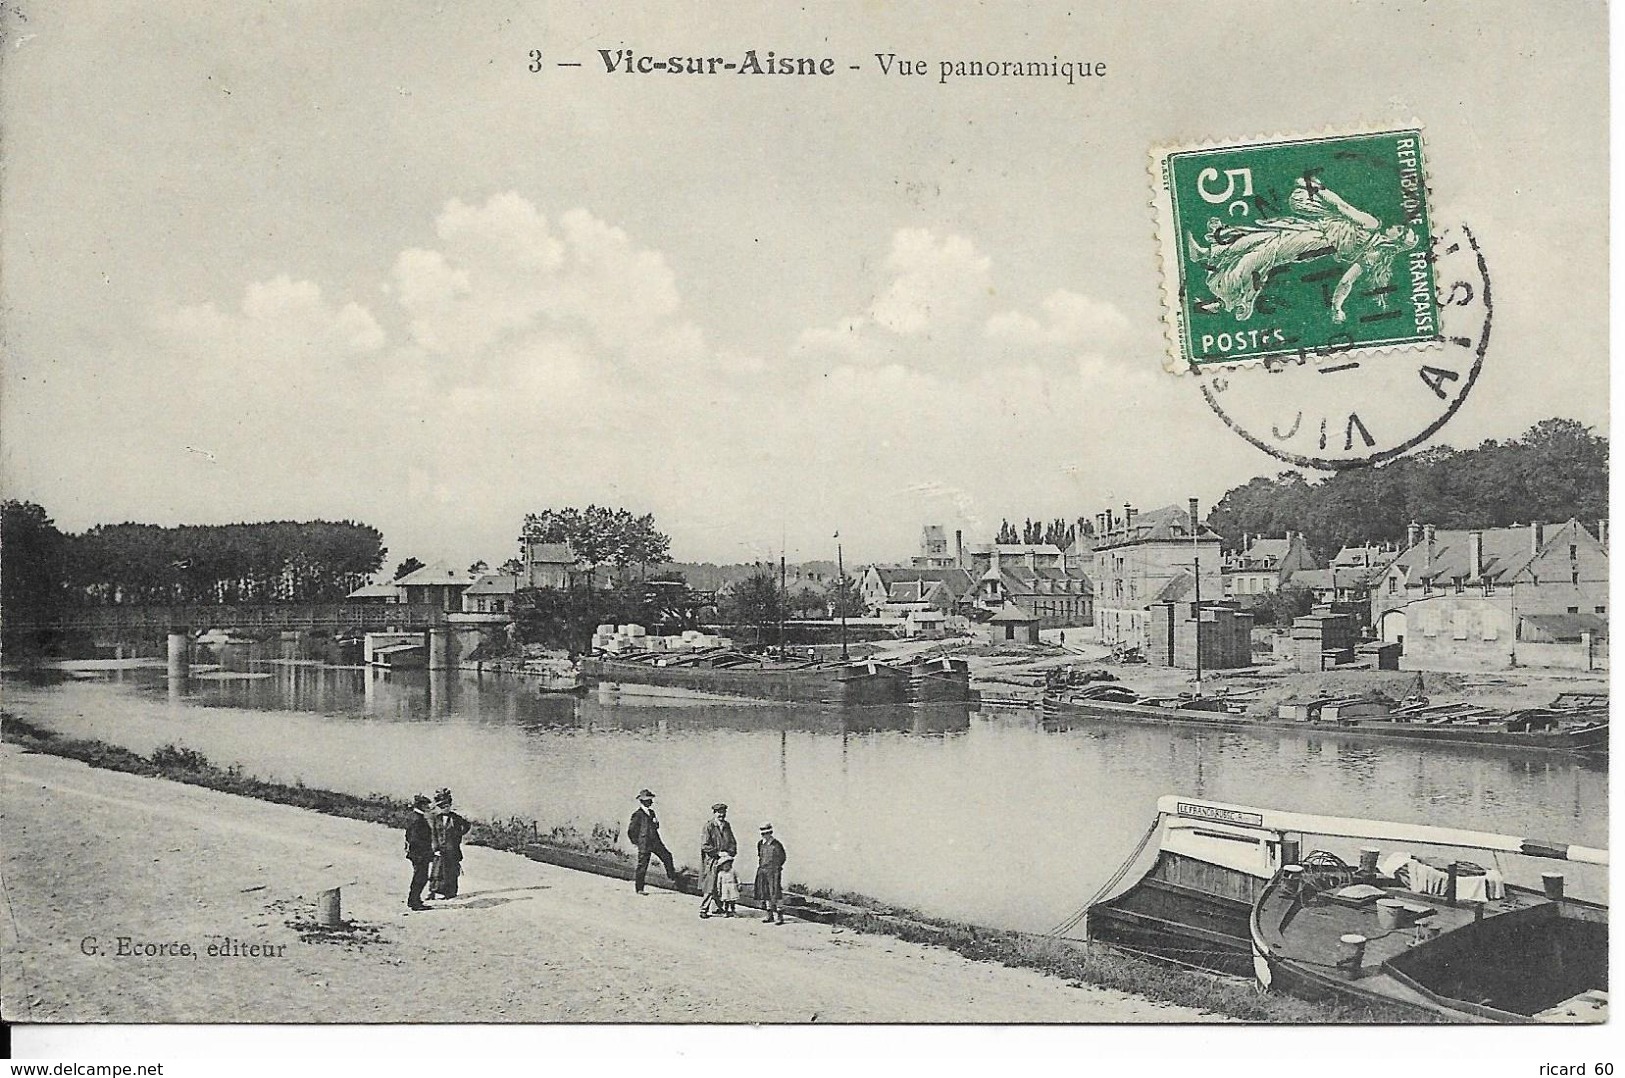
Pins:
x: 419, y: 850
x: 716, y: 840
x: 770, y: 875
x: 644, y: 832
x: 449, y: 829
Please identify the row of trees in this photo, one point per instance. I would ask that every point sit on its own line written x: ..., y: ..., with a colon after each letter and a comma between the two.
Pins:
x: 274, y: 561
x: 1557, y: 470
x: 1058, y: 532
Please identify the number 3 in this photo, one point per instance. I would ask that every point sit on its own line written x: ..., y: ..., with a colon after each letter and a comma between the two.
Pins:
x: 536, y: 65
x: 1209, y: 175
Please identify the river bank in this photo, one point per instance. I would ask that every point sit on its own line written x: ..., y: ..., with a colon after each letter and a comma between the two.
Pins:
x: 372, y: 899
x: 214, y: 896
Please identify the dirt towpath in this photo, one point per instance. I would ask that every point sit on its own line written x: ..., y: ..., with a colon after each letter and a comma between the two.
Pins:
x: 91, y: 853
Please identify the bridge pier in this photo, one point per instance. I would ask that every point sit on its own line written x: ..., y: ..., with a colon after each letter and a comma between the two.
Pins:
x: 180, y: 660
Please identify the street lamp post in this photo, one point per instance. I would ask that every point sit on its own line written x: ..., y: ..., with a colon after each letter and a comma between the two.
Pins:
x: 1196, y: 608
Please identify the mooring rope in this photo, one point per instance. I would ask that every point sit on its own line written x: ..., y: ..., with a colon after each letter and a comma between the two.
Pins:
x: 1117, y: 877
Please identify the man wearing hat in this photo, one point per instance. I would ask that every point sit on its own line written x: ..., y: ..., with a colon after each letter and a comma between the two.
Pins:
x: 643, y: 831
x: 419, y: 850
x: 769, y: 888
x: 715, y: 840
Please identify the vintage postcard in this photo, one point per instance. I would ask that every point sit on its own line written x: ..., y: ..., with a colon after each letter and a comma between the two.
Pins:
x: 553, y: 514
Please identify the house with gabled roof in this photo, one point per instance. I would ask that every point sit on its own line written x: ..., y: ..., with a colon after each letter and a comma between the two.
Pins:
x: 1492, y: 598
x: 491, y: 593
x: 1264, y: 564
x: 436, y: 585
x: 1140, y: 559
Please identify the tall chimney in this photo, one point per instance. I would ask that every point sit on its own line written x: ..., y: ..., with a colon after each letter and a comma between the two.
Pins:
x: 1427, y: 551
x: 1537, y: 536
x: 1128, y: 516
x: 1413, y: 534
x: 1195, y: 524
x: 959, y: 547
x: 1475, y: 554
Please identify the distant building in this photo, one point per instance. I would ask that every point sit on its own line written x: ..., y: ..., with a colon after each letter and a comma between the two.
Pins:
x: 1497, y: 597
x: 1351, y: 575
x: 1146, y: 558
x: 878, y: 581
x: 1265, y: 564
x: 491, y: 593
x: 1041, y: 585
x: 435, y: 585
x: 375, y: 594
x: 1012, y: 625
x: 555, y: 565
x: 934, y: 552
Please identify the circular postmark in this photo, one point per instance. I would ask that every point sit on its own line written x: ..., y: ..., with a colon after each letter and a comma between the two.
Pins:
x: 1338, y: 406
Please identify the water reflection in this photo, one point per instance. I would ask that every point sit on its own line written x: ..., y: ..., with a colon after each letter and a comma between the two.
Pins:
x: 996, y: 817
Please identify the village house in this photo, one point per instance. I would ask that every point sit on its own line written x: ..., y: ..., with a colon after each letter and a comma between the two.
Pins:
x: 1146, y: 558
x: 1351, y: 575
x: 901, y: 586
x: 1056, y: 596
x: 1495, y: 598
x: 491, y: 593
x: 376, y: 594
x: 555, y: 565
x: 435, y: 585
x: 1265, y: 564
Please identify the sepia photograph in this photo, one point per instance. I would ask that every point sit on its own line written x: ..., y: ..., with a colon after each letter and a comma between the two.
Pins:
x: 547, y: 514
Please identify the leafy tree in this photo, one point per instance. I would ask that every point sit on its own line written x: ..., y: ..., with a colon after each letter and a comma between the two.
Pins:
x: 477, y: 568
x: 754, y: 603
x: 600, y: 536
x: 33, y: 561
x: 513, y: 567
x: 845, y: 598
x: 1281, y: 607
x: 407, y: 568
x: 1007, y: 533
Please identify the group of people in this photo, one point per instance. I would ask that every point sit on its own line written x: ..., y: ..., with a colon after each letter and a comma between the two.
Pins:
x: 719, y: 884
x: 434, y: 845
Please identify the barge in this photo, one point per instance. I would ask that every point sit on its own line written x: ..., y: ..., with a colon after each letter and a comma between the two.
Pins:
x: 845, y: 684
x: 1555, y: 729
x: 1398, y: 919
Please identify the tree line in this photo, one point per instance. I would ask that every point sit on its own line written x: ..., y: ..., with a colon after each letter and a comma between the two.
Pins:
x: 1557, y: 470
x: 1057, y: 533
x: 272, y: 561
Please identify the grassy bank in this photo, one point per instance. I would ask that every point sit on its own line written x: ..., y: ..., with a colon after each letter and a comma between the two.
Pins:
x: 1094, y: 964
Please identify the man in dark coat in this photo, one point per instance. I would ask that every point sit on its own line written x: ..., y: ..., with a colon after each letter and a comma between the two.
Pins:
x: 643, y: 831
x: 716, y: 840
x: 419, y: 850
x: 770, y: 875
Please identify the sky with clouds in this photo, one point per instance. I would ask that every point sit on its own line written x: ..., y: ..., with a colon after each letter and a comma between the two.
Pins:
x: 355, y: 260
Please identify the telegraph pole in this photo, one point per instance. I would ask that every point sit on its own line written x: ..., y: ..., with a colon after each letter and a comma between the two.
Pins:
x: 782, y: 602
x: 1196, y: 609
x: 841, y: 592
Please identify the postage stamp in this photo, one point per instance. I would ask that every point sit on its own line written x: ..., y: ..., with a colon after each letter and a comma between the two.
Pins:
x: 1298, y: 247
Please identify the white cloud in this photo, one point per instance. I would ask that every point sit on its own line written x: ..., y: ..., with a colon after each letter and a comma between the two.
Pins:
x: 936, y: 283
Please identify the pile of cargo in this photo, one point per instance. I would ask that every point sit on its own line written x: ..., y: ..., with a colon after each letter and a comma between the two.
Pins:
x: 624, y: 639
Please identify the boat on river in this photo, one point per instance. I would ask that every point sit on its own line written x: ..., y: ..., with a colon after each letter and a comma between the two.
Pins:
x: 1563, y: 729
x: 731, y: 673
x: 1392, y: 915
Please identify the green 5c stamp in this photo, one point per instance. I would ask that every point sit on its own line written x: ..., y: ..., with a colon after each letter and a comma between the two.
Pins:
x: 1304, y: 247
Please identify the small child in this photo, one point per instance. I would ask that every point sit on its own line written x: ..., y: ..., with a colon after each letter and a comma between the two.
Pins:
x: 727, y: 885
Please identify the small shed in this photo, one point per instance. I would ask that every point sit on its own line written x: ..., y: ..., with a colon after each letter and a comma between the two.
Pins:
x: 1013, y: 625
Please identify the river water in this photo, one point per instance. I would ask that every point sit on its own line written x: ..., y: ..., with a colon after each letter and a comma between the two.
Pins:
x: 991, y: 817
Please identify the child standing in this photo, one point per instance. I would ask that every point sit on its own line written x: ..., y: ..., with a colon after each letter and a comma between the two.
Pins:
x: 727, y: 885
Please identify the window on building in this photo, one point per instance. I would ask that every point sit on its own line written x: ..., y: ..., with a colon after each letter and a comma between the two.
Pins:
x: 1461, y: 585
x: 1393, y: 585
x: 1574, y: 551
x: 1574, y: 610
x: 1602, y: 609
x: 1574, y: 576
